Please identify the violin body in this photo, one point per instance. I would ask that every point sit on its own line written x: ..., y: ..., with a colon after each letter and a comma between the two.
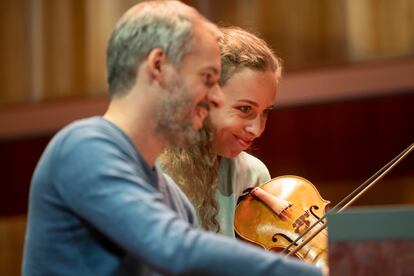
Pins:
x: 255, y: 222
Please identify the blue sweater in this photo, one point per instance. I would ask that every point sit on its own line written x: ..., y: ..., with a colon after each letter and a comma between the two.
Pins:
x: 97, y: 208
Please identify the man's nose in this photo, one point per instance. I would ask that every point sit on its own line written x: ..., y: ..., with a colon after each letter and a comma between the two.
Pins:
x: 215, y: 96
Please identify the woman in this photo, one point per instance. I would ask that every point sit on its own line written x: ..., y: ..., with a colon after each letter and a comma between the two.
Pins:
x: 215, y: 171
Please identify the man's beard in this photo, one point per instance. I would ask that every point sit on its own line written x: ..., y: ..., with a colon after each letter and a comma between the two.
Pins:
x: 174, y: 115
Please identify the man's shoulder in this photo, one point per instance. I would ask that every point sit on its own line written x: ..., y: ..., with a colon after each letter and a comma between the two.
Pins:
x: 93, y: 128
x: 91, y: 123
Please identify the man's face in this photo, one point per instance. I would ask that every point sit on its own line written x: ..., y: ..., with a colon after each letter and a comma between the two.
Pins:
x: 175, y: 114
x: 191, y: 91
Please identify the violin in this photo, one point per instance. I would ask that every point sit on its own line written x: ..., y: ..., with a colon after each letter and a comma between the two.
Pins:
x: 284, y: 212
x: 277, y: 213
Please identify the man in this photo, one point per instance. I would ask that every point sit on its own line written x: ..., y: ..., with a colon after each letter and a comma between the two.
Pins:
x: 98, y: 204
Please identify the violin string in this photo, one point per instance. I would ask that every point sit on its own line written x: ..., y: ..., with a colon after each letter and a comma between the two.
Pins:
x: 317, y: 221
x: 369, y: 182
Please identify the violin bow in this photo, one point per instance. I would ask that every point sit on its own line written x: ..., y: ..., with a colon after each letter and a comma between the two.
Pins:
x: 357, y: 193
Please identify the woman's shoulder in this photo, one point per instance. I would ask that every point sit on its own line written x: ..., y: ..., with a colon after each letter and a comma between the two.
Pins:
x: 250, y: 162
x: 250, y: 170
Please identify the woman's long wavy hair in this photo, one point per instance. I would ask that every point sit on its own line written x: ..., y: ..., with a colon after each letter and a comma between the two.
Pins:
x: 195, y: 168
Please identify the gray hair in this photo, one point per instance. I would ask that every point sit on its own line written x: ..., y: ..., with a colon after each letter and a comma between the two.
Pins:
x: 157, y: 24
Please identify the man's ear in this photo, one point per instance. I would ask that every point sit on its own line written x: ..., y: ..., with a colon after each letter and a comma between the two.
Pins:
x: 156, y: 61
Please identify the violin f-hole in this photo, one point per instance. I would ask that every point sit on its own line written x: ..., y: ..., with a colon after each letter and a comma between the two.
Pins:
x: 274, y: 238
x: 314, y: 207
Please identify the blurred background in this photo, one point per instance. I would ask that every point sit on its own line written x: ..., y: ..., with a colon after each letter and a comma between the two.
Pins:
x: 345, y: 104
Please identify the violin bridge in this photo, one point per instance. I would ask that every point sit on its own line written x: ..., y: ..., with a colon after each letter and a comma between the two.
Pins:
x: 301, y: 223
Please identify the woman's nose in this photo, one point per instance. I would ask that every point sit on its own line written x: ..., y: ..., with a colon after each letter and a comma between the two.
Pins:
x: 255, y: 126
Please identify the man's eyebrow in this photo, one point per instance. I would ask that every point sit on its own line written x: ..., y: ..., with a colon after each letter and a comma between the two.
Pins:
x: 212, y: 68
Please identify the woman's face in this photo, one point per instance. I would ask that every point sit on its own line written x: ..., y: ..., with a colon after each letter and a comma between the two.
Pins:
x: 248, y: 97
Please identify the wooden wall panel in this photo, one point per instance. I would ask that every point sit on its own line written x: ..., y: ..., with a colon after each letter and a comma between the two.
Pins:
x: 14, y: 51
x: 18, y: 161
x: 377, y: 29
x: 12, y: 231
x: 56, y: 49
x: 320, y: 33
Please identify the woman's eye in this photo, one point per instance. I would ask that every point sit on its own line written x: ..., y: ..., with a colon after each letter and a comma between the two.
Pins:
x: 267, y: 111
x: 245, y: 108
